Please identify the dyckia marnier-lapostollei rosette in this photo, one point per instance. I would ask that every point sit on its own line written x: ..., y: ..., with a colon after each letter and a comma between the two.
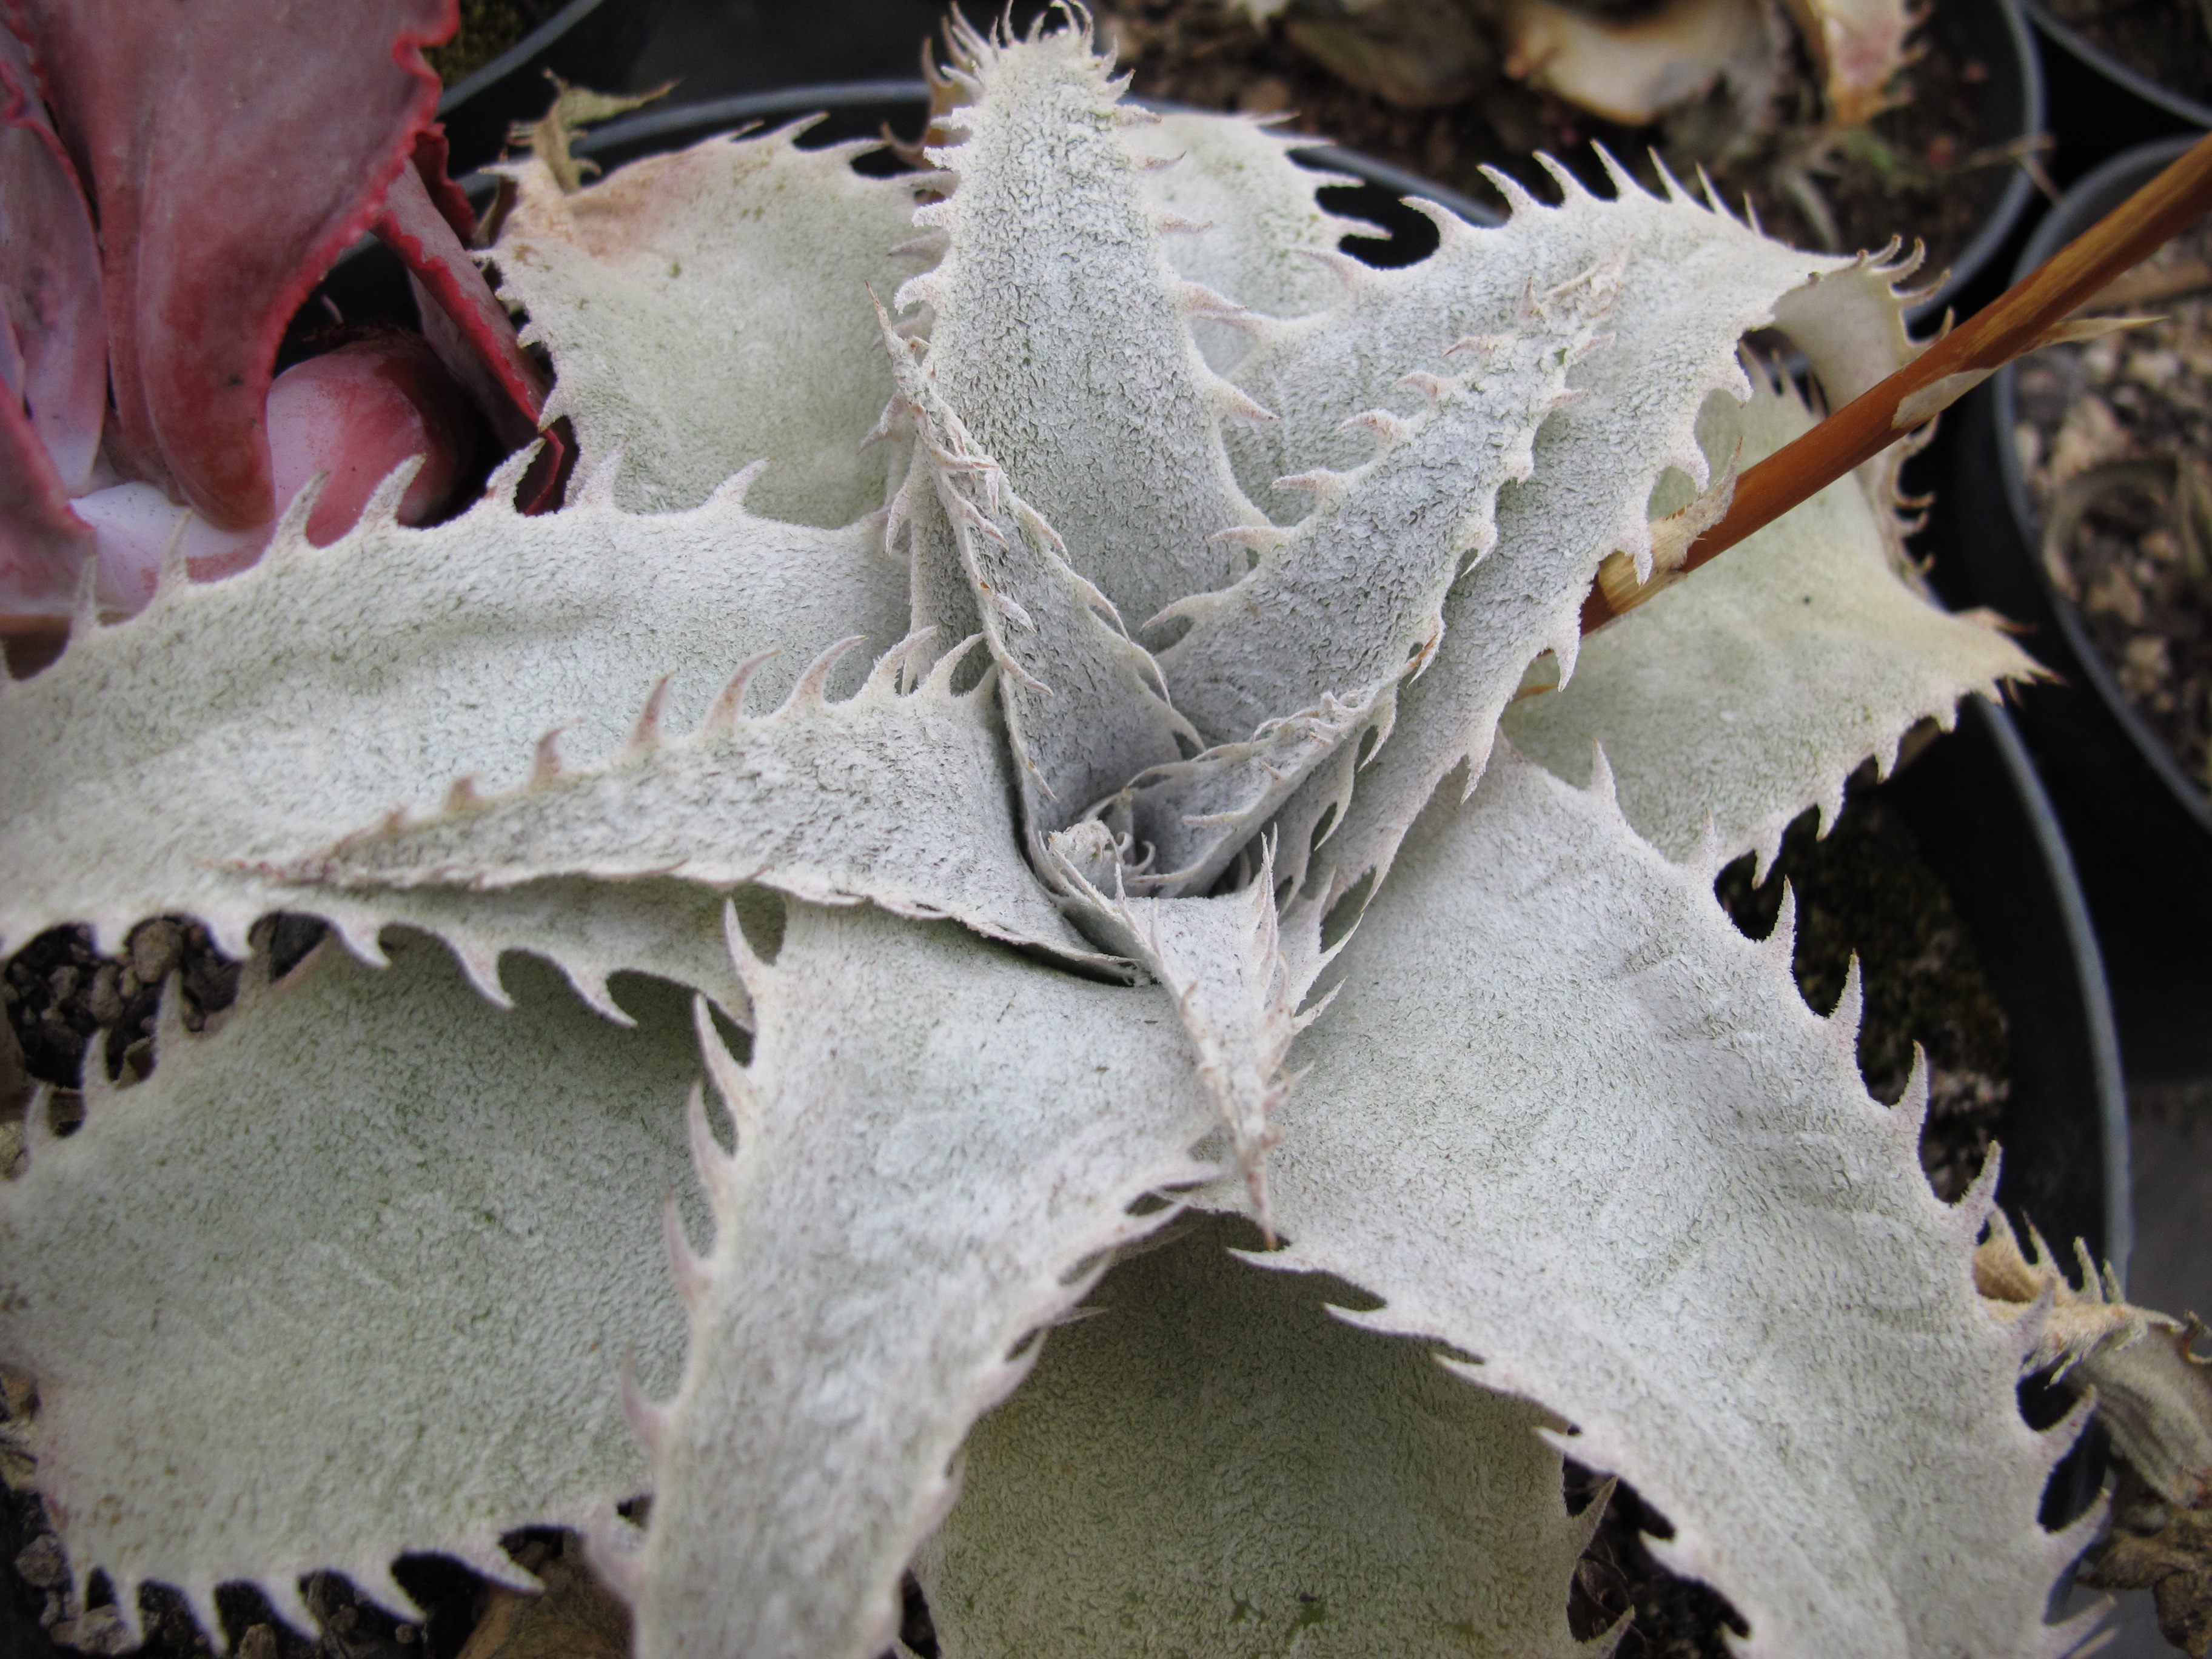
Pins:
x: 1211, y: 567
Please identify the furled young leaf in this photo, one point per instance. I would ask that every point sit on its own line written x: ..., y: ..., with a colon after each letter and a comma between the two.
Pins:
x: 934, y: 1141
x: 1237, y: 972
x: 1625, y: 1167
x: 1753, y: 689
x: 1060, y: 331
x: 708, y: 309
x: 1103, y: 715
x: 175, y: 762
x: 1691, y: 282
x: 1209, y: 1463
x: 351, y: 1275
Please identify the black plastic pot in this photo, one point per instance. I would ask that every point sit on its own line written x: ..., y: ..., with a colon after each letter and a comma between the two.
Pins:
x: 2082, y: 725
x: 594, y: 43
x: 2136, y: 84
x: 1985, y: 825
x: 740, y: 59
x: 2012, y: 108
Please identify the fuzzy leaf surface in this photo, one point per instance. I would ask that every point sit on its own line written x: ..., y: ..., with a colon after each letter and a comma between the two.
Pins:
x: 708, y: 309
x: 1062, y: 330
x: 1208, y: 1462
x: 904, y: 799
x: 348, y: 1276
x: 1627, y: 1168
x: 934, y: 1138
x: 1102, y: 716
x: 1251, y: 226
x: 162, y: 762
x: 1691, y: 282
x: 1753, y: 689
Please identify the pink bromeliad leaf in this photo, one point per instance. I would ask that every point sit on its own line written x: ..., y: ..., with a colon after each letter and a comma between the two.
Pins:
x: 233, y: 150
x: 53, y: 364
x: 466, y: 327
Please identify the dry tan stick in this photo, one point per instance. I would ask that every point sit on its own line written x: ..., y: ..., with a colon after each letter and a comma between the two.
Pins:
x: 2027, y: 314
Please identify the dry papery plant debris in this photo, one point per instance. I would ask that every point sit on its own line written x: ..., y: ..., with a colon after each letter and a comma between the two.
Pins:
x: 1835, y: 120
x: 1225, y: 1062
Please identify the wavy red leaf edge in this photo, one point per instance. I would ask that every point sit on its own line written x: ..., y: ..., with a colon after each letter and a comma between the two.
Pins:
x: 234, y: 149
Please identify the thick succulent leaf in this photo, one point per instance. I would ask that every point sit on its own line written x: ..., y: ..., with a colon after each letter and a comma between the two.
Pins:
x: 54, y: 338
x: 1627, y: 1167
x: 238, y: 724
x: 352, y: 1275
x: 232, y: 153
x: 1061, y: 332
x: 44, y: 545
x: 1337, y: 609
x: 1240, y: 217
x: 1102, y: 716
x: 1238, y: 970
x: 903, y: 799
x: 933, y: 1139
x: 1849, y: 324
x: 1193, y: 816
x: 1751, y: 690
x: 708, y: 308
x: 1353, y: 593
x: 1210, y: 1464
x: 1692, y: 282
x: 463, y: 321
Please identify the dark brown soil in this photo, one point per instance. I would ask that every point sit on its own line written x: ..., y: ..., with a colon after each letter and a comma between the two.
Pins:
x: 2114, y: 437
x: 1924, y: 170
x: 488, y: 28
x: 1865, y: 889
x: 2166, y: 41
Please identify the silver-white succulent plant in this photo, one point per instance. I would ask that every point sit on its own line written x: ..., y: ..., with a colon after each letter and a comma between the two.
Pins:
x: 1119, y: 790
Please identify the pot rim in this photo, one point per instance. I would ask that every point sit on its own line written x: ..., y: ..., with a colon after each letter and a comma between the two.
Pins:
x: 2081, y: 207
x: 517, y: 56
x: 1998, y: 224
x: 2129, y: 80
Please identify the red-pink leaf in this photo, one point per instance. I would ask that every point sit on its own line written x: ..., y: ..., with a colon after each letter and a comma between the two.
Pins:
x: 463, y: 321
x: 43, y: 545
x: 53, y: 341
x: 233, y: 148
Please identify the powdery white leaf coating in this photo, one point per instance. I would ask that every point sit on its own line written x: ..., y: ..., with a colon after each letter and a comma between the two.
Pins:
x: 934, y: 1141
x: 1627, y: 1167
x: 348, y: 1276
x: 1238, y: 971
x: 163, y: 762
x: 905, y: 800
x: 1084, y: 704
x: 1194, y: 817
x: 1209, y: 1463
x: 1753, y: 689
x: 1061, y: 333
x: 1241, y: 216
x: 708, y: 309
x: 1353, y: 595
x: 1693, y: 281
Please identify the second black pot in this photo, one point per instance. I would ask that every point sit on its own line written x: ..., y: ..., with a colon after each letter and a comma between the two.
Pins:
x: 2080, y: 723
